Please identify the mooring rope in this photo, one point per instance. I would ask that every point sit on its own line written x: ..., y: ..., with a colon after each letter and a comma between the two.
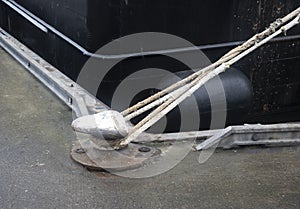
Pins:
x: 172, y: 96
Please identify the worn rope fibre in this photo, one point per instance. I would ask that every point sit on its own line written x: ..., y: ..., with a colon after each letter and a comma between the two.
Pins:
x: 199, y: 78
x: 274, y: 26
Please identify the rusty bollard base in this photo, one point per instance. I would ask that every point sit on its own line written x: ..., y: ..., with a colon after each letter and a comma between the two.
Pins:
x: 98, y: 158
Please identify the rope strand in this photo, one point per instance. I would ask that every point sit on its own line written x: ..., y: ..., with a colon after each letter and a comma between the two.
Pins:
x: 199, y: 78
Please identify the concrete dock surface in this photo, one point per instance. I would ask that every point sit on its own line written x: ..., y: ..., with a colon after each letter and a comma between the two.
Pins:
x: 36, y: 170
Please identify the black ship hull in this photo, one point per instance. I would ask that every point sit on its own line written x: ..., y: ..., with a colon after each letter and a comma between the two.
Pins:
x: 269, y: 91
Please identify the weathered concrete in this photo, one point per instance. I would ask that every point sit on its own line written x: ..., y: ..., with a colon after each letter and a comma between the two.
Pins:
x: 36, y: 170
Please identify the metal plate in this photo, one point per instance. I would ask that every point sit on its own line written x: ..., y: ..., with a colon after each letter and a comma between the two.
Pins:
x: 87, y: 154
